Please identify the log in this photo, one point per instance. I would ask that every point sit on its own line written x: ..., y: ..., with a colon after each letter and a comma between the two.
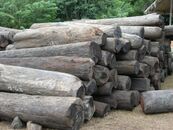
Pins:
x: 162, y: 76
x: 54, y: 112
x: 155, y: 80
x: 128, y: 67
x: 102, y: 109
x: 140, y: 84
x: 155, y: 51
x: 157, y: 101
x: 153, y: 62
x: 49, y: 36
x: 89, y: 107
x: 105, y: 90
x: 125, y: 99
x: 101, y: 74
x: 10, y: 29
x: 113, y: 45
x: 136, y: 30
x: 142, y: 52
x: 126, y: 45
x: 8, y: 35
x: 110, y: 30
x: 168, y: 31
x: 145, y: 20
x: 152, y: 33
x: 90, y: 87
x: 136, y: 41
x: 33, y: 126
x: 113, y: 77
x: 80, y: 67
x: 39, y: 82
x: 83, y: 49
x: 147, y: 43
x: 137, y: 97
x: 3, y: 41
x: 108, y: 59
x: 10, y: 47
x: 144, y: 70
x: 161, y: 56
x: 124, y: 82
x: 131, y: 55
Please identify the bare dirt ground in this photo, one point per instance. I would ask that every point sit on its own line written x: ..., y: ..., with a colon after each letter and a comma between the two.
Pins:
x: 125, y: 120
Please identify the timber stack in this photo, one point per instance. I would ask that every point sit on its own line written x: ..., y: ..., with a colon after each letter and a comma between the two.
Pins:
x: 93, y: 65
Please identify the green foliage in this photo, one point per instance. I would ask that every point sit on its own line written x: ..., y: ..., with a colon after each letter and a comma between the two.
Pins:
x: 23, y: 13
x: 20, y: 13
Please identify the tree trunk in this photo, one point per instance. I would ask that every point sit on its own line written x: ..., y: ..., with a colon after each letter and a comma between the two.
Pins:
x: 136, y: 41
x: 145, y: 20
x: 124, y: 82
x: 152, y: 33
x: 49, y: 36
x: 102, y: 109
x: 113, y: 45
x: 80, y: 67
x: 54, y: 112
x: 101, y: 74
x: 136, y: 30
x: 131, y: 55
x: 140, y: 84
x: 105, y: 90
x: 89, y: 107
x: 39, y: 82
x: 90, y: 87
x: 83, y: 49
x: 157, y: 101
x: 108, y: 59
x: 126, y: 45
x: 128, y: 67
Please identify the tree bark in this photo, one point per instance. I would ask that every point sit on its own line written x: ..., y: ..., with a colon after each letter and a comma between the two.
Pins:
x: 105, y: 90
x: 135, y: 30
x: 108, y: 59
x: 49, y: 36
x: 157, y: 101
x: 124, y: 82
x: 54, y: 112
x: 101, y: 74
x: 131, y: 55
x: 90, y: 87
x: 128, y: 67
x: 80, y: 67
x: 89, y: 107
x: 39, y: 82
x: 140, y: 84
x: 113, y: 45
x: 83, y: 49
x: 136, y: 41
x: 152, y: 33
x: 102, y: 109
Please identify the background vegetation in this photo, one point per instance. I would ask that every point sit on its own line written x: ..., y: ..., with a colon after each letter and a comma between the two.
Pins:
x: 22, y: 13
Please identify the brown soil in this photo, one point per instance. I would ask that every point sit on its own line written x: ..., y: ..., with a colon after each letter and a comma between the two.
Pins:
x: 126, y: 120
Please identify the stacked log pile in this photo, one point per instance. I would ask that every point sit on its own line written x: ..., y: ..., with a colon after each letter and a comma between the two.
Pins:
x: 112, y: 60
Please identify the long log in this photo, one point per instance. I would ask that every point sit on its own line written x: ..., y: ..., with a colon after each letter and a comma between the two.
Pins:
x: 89, y: 107
x: 157, y: 101
x: 39, y: 82
x: 110, y: 30
x: 124, y: 82
x: 49, y: 36
x: 145, y: 20
x: 105, y: 90
x: 136, y: 41
x: 101, y: 74
x: 83, y: 49
x: 140, y: 84
x: 136, y: 30
x: 128, y: 67
x: 90, y: 87
x: 54, y: 112
x: 152, y: 33
x: 102, y: 109
x: 113, y: 45
x: 80, y: 67
x: 108, y: 59
x: 131, y: 55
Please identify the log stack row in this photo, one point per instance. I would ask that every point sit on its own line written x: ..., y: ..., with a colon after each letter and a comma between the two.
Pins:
x: 112, y: 60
